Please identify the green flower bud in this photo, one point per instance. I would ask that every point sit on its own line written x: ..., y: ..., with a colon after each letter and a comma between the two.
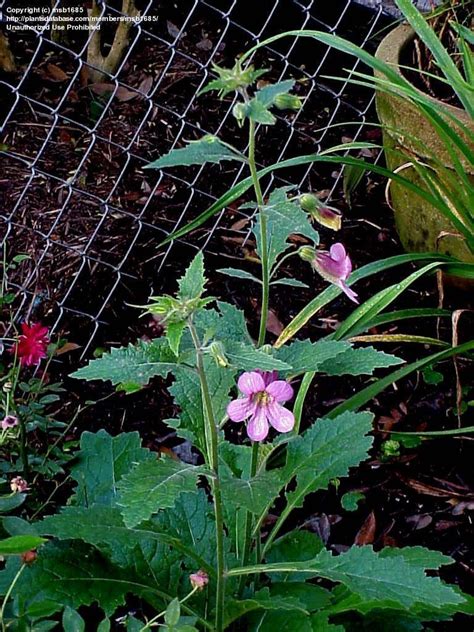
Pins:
x: 239, y: 112
x: 216, y: 349
x: 327, y: 216
x: 288, y: 102
x: 307, y: 253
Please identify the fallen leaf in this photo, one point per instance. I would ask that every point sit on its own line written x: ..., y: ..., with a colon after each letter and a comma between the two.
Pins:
x: 239, y: 224
x: 55, y: 73
x: 146, y: 84
x: 366, y: 533
x: 274, y: 325
x: 420, y: 521
x: 173, y: 30
x: 204, y: 44
x: 124, y: 94
x: 426, y: 489
x: 67, y: 347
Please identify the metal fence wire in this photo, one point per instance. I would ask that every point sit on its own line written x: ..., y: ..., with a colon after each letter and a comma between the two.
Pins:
x: 74, y: 195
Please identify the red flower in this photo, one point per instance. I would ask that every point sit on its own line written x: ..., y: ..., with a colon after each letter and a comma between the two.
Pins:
x: 32, y: 345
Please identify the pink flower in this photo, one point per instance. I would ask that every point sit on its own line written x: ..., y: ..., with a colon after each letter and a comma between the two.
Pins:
x: 32, y: 344
x: 9, y: 422
x: 261, y: 405
x: 18, y: 485
x: 199, y: 580
x: 335, y: 266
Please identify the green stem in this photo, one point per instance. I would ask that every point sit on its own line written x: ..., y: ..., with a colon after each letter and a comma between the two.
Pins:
x: 8, y: 594
x: 213, y: 462
x: 300, y: 398
x: 263, y: 236
x: 248, y: 517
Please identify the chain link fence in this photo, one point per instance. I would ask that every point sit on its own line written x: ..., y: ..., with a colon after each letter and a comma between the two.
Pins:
x: 74, y: 195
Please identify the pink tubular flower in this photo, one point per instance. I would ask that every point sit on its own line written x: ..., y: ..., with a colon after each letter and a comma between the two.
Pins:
x: 335, y: 266
x: 9, y: 422
x: 32, y: 344
x: 18, y: 485
x: 199, y: 580
x: 261, y: 405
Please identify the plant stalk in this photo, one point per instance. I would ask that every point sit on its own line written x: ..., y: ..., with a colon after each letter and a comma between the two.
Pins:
x: 263, y: 236
x: 8, y: 594
x: 213, y: 462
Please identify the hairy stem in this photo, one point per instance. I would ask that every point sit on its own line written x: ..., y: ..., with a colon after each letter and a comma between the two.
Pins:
x: 8, y: 594
x: 213, y: 462
x: 263, y: 235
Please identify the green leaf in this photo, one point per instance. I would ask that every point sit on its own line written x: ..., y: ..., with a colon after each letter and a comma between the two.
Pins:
x: 192, y: 284
x: 247, y: 358
x: 350, y: 500
x: 360, y: 361
x: 400, y: 579
x: 72, y: 574
x: 72, y: 621
x: 295, y: 546
x: 186, y: 391
x: 370, y: 391
x: 103, y: 527
x: 239, y: 274
x: 281, y: 620
x: 174, y: 333
x: 284, y: 218
x: 269, y: 94
x: 261, y: 600
x: 258, y: 112
x: 155, y: 485
x: 291, y: 282
x: 18, y: 544
x: 254, y: 493
x: 324, y: 452
x: 100, y: 464
x: 136, y: 364
x: 312, y: 597
x: 198, y: 152
x: 352, y: 176
x: 104, y: 625
x: 303, y: 355
x: 173, y: 612
x: 11, y: 501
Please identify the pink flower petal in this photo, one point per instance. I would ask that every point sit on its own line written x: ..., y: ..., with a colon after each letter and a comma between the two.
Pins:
x: 250, y: 383
x: 240, y: 409
x: 280, y: 390
x: 348, y: 292
x: 257, y: 428
x: 280, y: 418
x: 268, y: 376
x: 337, y: 252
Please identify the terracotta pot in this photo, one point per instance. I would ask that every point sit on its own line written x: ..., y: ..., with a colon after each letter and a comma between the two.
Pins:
x: 420, y: 225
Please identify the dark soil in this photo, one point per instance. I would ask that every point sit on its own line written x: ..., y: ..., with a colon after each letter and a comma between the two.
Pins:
x: 93, y: 242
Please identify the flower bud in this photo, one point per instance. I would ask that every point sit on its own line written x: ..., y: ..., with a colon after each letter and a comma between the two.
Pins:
x: 239, y: 112
x: 29, y: 557
x: 288, y: 102
x: 18, y: 485
x: 216, y: 349
x: 7, y: 387
x: 307, y: 254
x: 327, y: 216
x: 199, y: 580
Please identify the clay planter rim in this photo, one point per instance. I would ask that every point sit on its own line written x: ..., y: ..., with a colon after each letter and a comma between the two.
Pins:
x: 389, y: 51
